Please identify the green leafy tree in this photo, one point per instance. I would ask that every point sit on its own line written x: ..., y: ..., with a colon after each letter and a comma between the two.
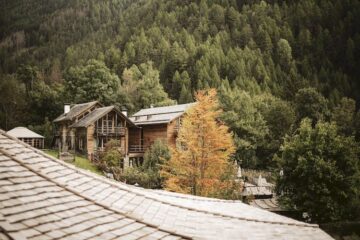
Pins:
x: 247, y: 123
x: 28, y: 75
x: 93, y: 81
x: 12, y: 102
x: 185, y: 95
x: 111, y: 158
x: 147, y: 91
x: 321, y: 172
x: 311, y: 104
x: 154, y: 157
x: 344, y: 116
x: 280, y: 118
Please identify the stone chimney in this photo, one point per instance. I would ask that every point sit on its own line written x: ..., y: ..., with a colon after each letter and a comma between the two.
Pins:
x: 66, y: 108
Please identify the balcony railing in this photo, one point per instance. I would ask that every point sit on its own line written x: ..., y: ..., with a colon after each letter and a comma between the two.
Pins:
x: 137, y: 149
x: 106, y: 131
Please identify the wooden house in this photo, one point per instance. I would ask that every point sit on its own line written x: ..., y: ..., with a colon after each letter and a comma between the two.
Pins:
x: 156, y: 123
x: 87, y: 127
x: 26, y: 135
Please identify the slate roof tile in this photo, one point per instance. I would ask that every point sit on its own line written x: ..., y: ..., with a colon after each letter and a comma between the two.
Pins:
x: 45, y: 198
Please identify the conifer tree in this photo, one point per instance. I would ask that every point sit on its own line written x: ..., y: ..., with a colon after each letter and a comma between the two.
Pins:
x: 200, y: 161
x: 185, y: 95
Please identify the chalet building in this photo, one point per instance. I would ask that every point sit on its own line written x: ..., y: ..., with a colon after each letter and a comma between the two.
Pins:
x: 87, y: 127
x: 26, y: 135
x: 157, y: 123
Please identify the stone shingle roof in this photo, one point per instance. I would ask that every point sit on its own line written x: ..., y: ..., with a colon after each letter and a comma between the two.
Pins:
x: 75, y: 111
x: 44, y: 198
x: 159, y: 115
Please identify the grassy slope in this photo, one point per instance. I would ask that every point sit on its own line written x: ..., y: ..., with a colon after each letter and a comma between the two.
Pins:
x: 80, y: 162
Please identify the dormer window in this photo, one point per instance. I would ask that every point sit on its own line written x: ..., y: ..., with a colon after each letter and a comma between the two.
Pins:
x: 148, y: 117
x: 137, y: 118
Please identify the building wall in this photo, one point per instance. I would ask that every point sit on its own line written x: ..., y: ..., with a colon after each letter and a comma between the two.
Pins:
x: 90, y: 139
x: 153, y: 132
x: 134, y: 136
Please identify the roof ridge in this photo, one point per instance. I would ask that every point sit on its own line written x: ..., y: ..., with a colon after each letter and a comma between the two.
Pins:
x: 168, y: 106
x: 128, y: 189
x: 20, y: 162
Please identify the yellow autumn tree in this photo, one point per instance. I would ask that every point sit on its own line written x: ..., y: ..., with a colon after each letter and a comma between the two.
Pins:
x: 204, y: 145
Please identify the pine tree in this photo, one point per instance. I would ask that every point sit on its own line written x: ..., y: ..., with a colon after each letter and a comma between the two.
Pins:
x: 204, y: 148
x: 185, y: 95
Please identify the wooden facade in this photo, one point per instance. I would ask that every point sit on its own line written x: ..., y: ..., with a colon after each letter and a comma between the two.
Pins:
x: 88, y: 127
x: 88, y: 131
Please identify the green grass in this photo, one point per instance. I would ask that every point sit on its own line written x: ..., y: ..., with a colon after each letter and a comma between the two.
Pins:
x: 80, y: 162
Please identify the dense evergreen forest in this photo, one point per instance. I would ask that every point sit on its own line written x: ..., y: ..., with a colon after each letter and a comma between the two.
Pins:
x: 273, y: 62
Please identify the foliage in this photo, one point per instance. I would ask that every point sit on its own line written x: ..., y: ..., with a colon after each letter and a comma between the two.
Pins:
x: 321, y: 172
x: 45, y: 130
x: 199, y: 163
x: 344, y: 116
x: 112, y: 156
x: 90, y: 82
x: 143, y: 87
x: 136, y: 176
x: 311, y: 104
x: 156, y: 155
x: 246, y: 122
x: 147, y: 175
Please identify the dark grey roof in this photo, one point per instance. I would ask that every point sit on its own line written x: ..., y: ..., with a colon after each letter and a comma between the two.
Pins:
x: 159, y: 114
x: 97, y: 114
x: 44, y: 198
x: 93, y: 116
x: 75, y: 111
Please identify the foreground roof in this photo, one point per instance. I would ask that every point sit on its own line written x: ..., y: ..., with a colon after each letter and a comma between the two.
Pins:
x: 44, y: 198
x: 159, y: 115
x: 75, y: 111
x: 23, y: 132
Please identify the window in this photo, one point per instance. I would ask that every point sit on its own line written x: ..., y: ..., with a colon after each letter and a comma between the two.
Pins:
x: 148, y: 117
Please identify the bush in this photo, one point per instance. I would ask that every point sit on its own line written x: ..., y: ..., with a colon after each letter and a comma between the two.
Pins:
x: 147, y: 175
x: 146, y: 179
x: 112, y: 156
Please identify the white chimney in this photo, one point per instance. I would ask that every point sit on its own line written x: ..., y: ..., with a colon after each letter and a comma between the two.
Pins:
x: 66, y: 108
x: 124, y: 110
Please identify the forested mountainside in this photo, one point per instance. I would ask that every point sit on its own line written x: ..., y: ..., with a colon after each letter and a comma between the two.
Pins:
x: 273, y: 62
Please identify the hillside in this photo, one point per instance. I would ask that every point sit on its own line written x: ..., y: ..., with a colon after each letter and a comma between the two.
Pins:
x: 259, y: 54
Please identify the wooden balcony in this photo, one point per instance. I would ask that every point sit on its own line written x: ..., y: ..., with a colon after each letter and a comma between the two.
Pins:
x: 136, y: 149
x: 111, y: 131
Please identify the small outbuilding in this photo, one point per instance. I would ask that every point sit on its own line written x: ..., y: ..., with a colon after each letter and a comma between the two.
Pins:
x: 26, y: 135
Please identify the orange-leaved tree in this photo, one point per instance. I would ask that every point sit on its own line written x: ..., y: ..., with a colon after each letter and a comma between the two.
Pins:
x: 200, y: 161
